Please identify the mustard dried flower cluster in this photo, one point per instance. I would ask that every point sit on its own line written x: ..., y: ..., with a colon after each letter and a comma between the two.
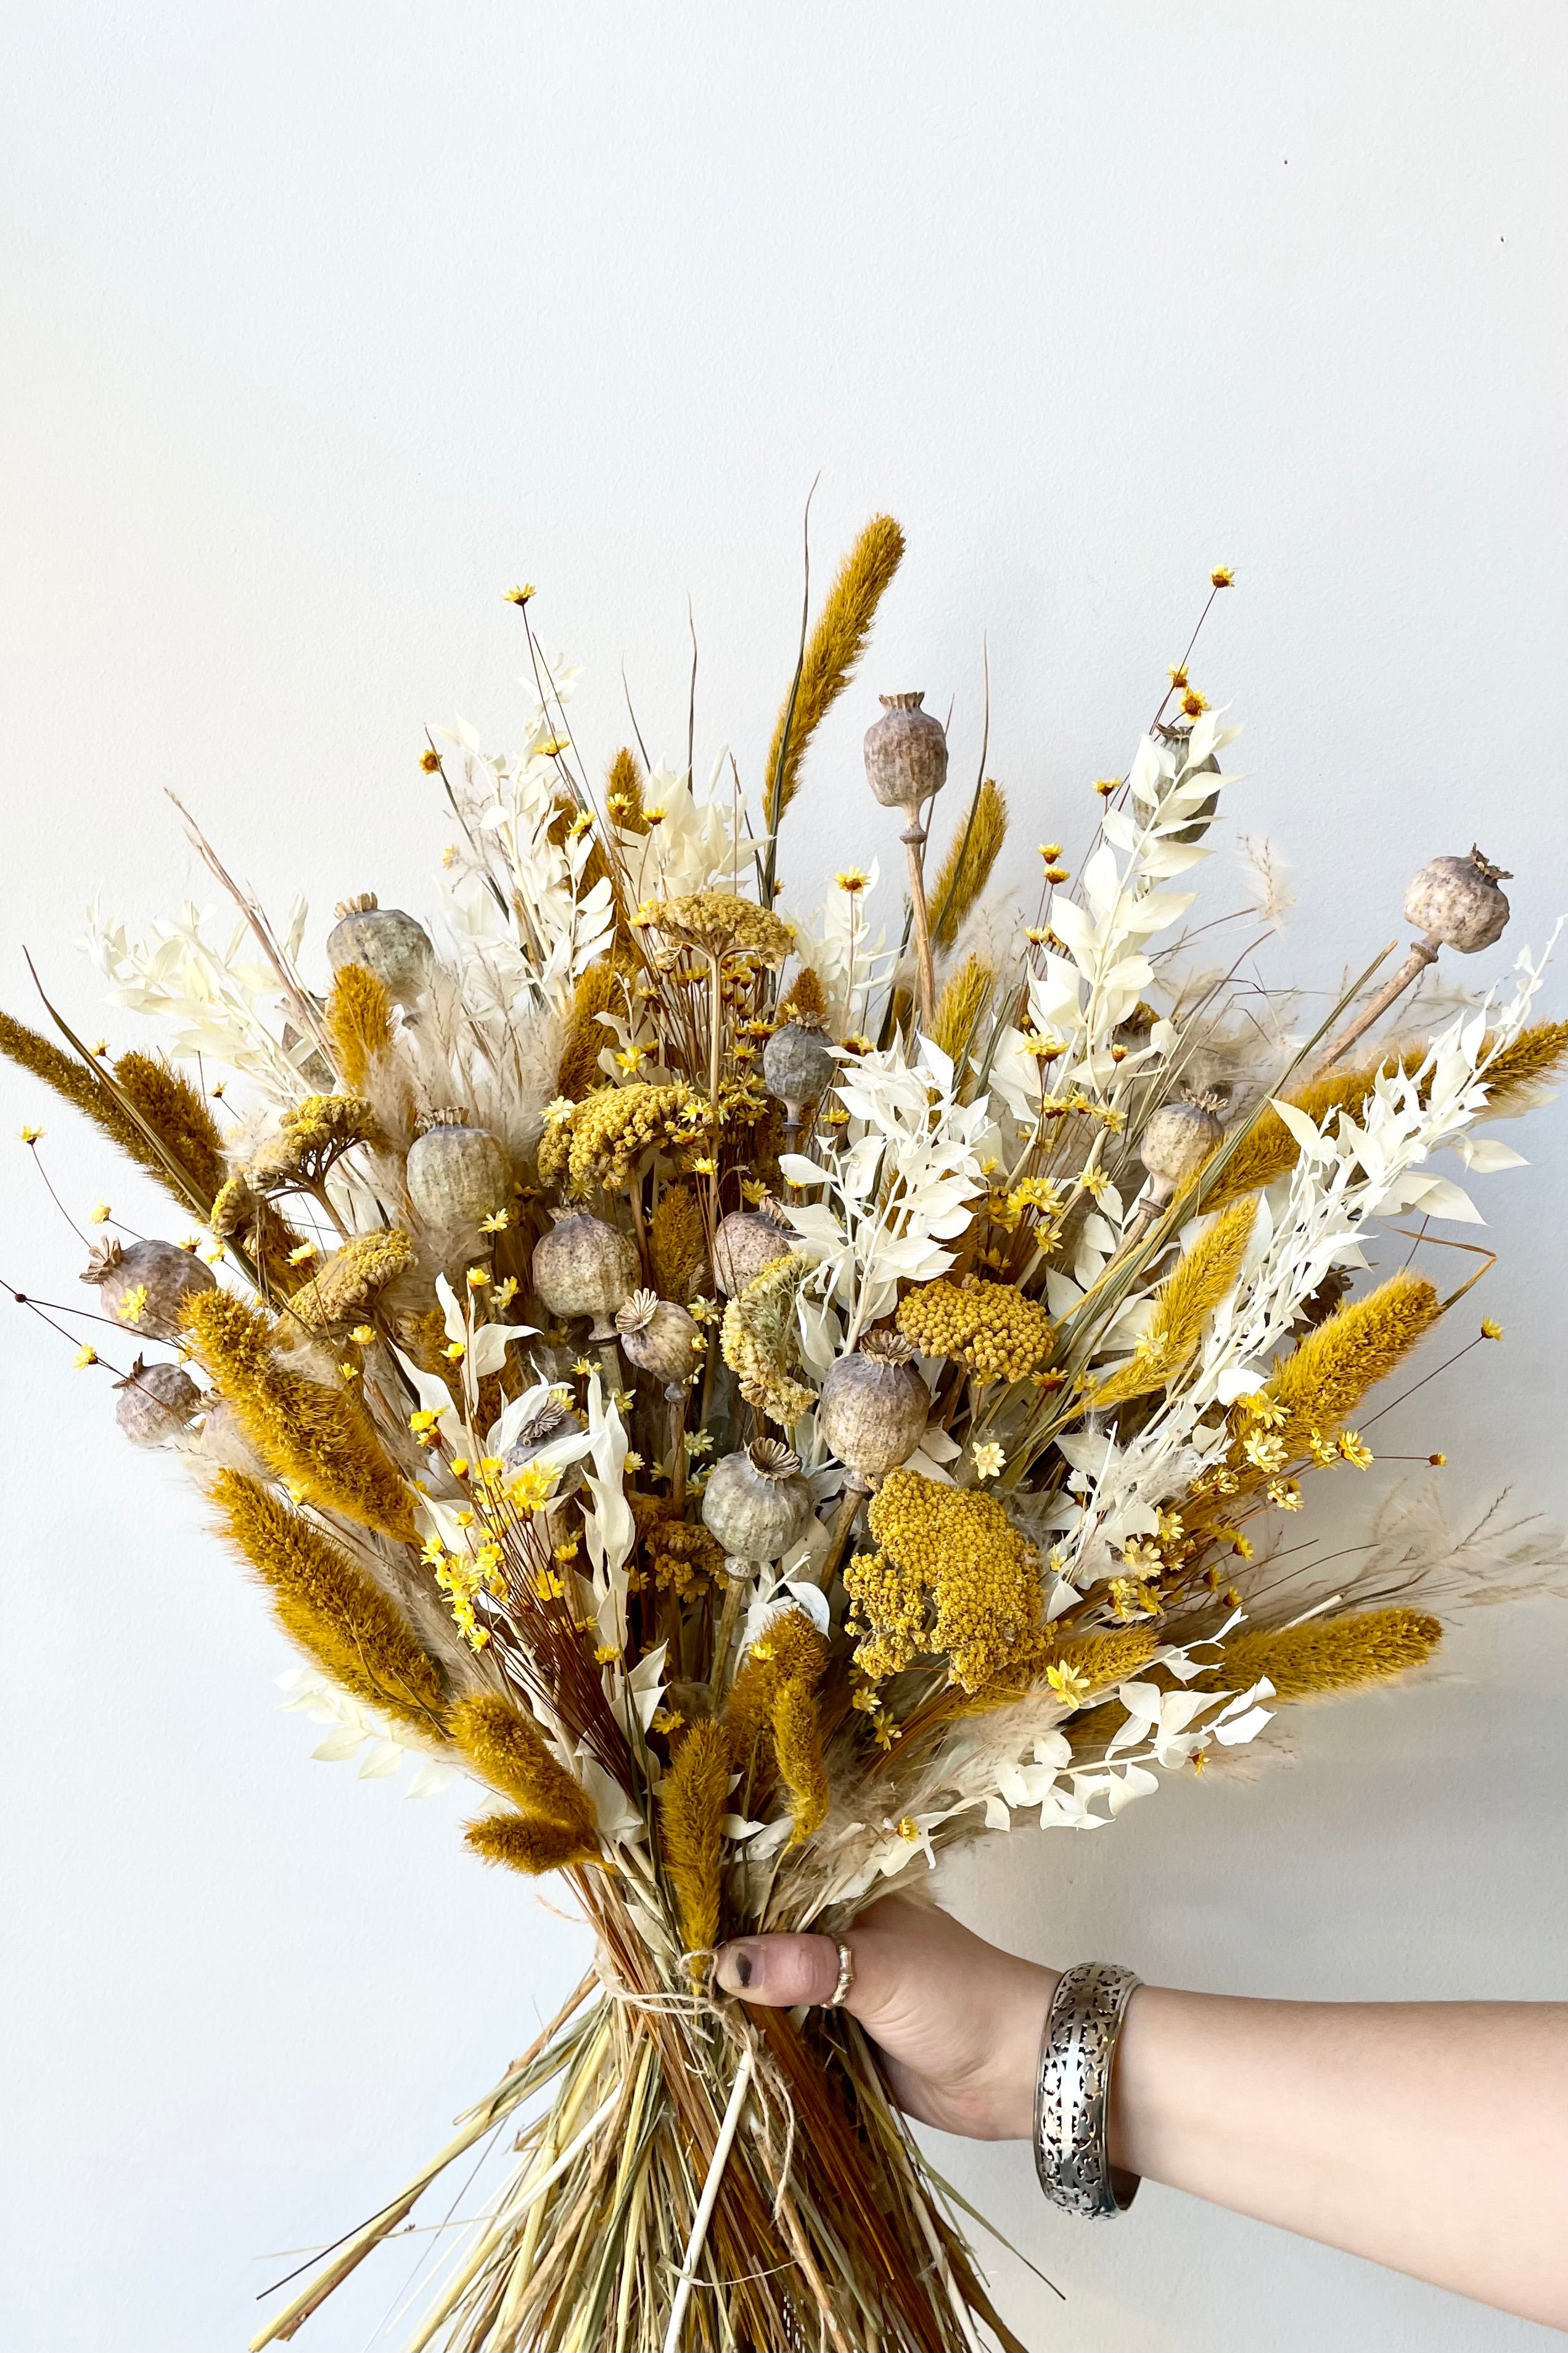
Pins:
x: 759, y: 1340
x: 994, y: 1329
x: 952, y: 1577
x: 350, y: 1276
x: 718, y: 923
x: 601, y: 1140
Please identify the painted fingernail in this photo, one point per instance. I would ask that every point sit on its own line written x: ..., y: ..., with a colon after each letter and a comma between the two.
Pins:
x: 736, y: 1969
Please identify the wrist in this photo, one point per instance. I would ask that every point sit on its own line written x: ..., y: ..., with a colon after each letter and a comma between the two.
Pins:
x: 1020, y: 2023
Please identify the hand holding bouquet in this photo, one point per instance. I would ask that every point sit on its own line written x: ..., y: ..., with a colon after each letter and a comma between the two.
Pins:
x: 767, y: 1394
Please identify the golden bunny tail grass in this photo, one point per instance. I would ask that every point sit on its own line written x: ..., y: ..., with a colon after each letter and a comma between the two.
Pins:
x: 529, y: 1842
x: 317, y: 1438
x: 678, y: 1245
x: 798, y: 1746
x: 1268, y: 1151
x: 832, y: 650
x: 966, y: 869
x: 1199, y: 1281
x: 185, y: 1150
x: 1358, y: 1346
x: 964, y: 996
x: 326, y: 1605
x: 1329, y: 1654
x: 504, y: 1744
x: 599, y: 988
x: 623, y: 793
x: 693, y: 1798
x: 359, y: 1024
x: 807, y: 999
x: 1536, y: 1056
x: 1095, y: 1661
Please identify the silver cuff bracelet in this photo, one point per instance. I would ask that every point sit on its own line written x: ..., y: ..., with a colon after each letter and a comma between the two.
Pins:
x: 1072, y: 2093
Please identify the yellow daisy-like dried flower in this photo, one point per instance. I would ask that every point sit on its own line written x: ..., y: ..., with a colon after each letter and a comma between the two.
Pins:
x: 994, y: 1330
x: 1490, y: 1331
x: 132, y: 1304
x: 1285, y: 1494
x: 1131, y: 1598
x: 987, y: 1459
x: 948, y: 1555
x: 99, y: 1214
x: 86, y: 1355
x: 1223, y: 577
x: 1355, y: 1450
x: 1070, y: 1687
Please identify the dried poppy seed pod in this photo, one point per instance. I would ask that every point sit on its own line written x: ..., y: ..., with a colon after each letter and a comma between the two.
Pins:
x: 906, y: 753
x: 659, y: 1337
x: 457, y: 1174
x: 394, y: 947
x: 147, y: 1287
x: 873, y: 1406
x: 585, y: 1267
x: 755, y: 1502
x: 1178, y: 1140
x: 551, y: 1421
x: 798, y: 1064
x: 1457, y: 903
x: 747, y: 1243
x: 156, y: 1404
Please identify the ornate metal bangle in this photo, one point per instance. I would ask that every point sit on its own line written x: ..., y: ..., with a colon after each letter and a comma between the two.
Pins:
x: 1072, y: 2093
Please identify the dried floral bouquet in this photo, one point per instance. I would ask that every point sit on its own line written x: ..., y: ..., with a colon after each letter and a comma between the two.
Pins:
x: 769, y: 1396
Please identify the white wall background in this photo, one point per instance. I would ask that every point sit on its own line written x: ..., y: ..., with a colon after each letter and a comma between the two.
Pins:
x: 324, y: 323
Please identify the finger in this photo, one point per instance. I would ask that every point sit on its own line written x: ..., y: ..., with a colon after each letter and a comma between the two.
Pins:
x: 779, y: 1971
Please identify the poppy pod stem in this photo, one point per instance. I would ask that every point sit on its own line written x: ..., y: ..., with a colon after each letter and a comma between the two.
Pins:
x: 914, y: 841
x: 676, y: 1395
x: 841, y: 1528
x: 1422, y: 953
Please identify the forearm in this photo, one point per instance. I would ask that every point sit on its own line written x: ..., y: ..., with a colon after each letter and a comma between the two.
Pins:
x: 1428, y: 2136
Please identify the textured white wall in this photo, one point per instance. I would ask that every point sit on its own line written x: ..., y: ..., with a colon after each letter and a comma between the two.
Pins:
x: 324, y: 323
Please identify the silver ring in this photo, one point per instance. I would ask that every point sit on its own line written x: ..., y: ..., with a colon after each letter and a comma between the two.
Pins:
x: 1072, y: 2092
x: 840, y: 1993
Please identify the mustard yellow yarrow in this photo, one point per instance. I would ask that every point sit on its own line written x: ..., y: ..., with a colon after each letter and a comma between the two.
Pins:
x: 950, y: 1556
x: 994, y: 1330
